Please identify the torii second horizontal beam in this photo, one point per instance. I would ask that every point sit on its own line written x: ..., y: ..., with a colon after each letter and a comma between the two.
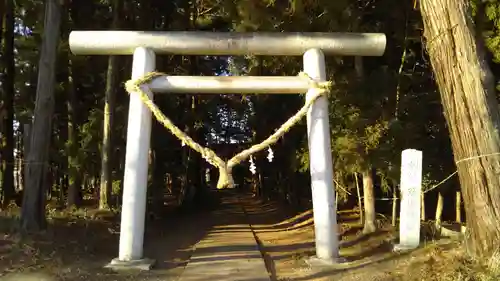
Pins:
x: 230, y: 84
x: 226, y: 43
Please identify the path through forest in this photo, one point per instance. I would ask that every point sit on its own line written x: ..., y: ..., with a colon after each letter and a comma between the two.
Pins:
x: 242, y: 238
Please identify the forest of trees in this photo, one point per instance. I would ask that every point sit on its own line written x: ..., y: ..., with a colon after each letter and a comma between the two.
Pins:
x: 64, y: 117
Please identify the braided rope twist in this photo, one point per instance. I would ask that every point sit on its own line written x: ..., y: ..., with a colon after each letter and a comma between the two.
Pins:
x: 225, y: 168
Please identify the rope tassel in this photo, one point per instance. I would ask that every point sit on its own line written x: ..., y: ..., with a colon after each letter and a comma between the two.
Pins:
x: 225, y: 168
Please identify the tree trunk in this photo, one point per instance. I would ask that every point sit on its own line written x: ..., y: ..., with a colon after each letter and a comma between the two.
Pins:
x: 468, y: 95
x: 26, y: 147
x: 2, y: 109
x: 62, y: 116
x: 336, y: 199
x: 422, y: 206
x: 33, y: 209
x: 121, y: 157
x: 109, y: 107
x: 369, y: 202
x: 2, y: 13
x: 75, y: 179
x: 260, y: 183
x: 158, y: 167
x: 57, y: 186
x: 394, y: 203
x: 360, y: 203
x: 106, y: 180
x: 19, y: 160
x: 458, y: 207
x: 439, y: 210
x: 8, y: 106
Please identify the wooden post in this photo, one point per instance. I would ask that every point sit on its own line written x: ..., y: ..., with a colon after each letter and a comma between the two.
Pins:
x: 458, y: 207
x: 360, y: 201
x: 394, y: 203
x: 439, y: 210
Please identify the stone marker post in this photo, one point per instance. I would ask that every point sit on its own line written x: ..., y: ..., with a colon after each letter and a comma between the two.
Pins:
x: 411, y: 187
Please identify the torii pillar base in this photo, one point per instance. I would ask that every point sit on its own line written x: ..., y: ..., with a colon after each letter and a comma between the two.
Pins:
x: 142, y: 264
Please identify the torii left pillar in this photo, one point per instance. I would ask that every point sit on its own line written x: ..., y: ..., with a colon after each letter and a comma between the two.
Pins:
x: 133, y: 214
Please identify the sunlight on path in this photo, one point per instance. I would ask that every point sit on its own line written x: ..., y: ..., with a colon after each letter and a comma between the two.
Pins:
x: 229, y: 251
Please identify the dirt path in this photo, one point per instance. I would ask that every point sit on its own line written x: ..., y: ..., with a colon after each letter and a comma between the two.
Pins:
x: 229, y: 250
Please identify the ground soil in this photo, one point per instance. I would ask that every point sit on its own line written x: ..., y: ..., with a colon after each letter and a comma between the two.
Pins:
x: 78, y: 244
x: 287, y: 243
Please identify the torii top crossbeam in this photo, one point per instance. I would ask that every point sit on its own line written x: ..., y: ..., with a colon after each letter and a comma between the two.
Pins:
x: 226, y: 43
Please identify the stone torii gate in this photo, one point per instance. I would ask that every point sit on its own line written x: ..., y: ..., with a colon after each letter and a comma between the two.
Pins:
x: 144, y: 45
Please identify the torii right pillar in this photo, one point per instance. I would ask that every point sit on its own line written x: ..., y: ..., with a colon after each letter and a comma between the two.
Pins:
x: 321, y: 164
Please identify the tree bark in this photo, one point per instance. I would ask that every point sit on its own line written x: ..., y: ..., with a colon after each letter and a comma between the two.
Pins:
x: 369, y: 202
x: 75, y: 178
x: 61, y: 97
x: 158, y: 166
x: 26, y: 147
x: 2, y: 13
x: 109, y: 107
x: 468, y: 96
x: 422, y: 206
x: 8, y: 106
x: 33, y: 209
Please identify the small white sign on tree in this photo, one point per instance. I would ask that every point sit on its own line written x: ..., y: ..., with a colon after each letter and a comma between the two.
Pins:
x: 411, y: 187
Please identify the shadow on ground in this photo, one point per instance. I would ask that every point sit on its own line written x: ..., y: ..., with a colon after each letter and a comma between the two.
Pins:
x: 286, y: 240
x: 76, y: 246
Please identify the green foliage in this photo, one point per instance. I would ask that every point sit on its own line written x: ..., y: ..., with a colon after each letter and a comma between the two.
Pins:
x: 375, y: 113
x: 116, y: 187
x: 492, y: 34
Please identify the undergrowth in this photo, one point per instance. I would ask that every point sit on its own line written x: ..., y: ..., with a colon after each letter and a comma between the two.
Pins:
x: 454, y: 265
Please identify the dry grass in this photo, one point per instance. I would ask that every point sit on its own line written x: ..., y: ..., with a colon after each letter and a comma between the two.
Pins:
x: 288, y: 241
x: 451, y: 265
x: 74, y: 241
